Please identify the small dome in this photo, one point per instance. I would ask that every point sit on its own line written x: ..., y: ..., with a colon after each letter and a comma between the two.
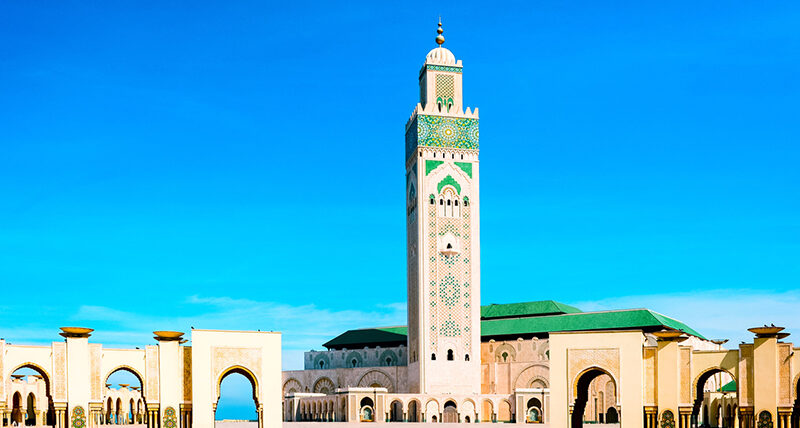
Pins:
x: 441, y: 56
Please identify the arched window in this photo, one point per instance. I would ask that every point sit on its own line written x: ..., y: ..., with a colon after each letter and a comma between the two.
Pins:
x: 354, y: 362
x: 441, y: 201
x: 466, y: 357
x: 322, y: 364
x: 433, y: 357
x: 449, y: 355
x: 389, y: 361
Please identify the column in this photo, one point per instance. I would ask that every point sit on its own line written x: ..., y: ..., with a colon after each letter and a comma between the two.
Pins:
x: 260, y: 412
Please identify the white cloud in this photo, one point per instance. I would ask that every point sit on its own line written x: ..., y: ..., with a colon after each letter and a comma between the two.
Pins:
x: 304, y: 327
x: 716, y: 314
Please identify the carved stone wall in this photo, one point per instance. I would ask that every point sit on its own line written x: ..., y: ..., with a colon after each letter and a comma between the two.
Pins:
x: 60, y: 371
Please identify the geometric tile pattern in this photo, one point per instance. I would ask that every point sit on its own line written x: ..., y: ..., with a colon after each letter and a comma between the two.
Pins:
x: 455, y: 132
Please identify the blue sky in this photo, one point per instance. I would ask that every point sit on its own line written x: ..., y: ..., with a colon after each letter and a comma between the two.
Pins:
x: 240, y: 165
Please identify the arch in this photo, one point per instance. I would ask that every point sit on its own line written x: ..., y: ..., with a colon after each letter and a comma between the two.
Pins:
x: 50, y: 416
x: 324, y: 385
x: 487, y: 411
x: 354, y: 356
x: 581, y: 385
x: 241, y: 370
x: 244, y: 371
x: 291, y: 386
x: 534, y: 411
x: 612, y: 417
x: 16, y: 407
x: 396, y: 411
x: 367, y: 410
x: 505, y: 353
x: 378, y: 377
x: 450, y: 412
x: 468, y: 410
x: 432, y: 410
x: 413, y: 411
x: 531, y: 373
x: 321, y: 361
x: 697, y: 387
x: 389, y: 358
x: 504, y: 411
x: 30, y: 409
x: 128, y: 369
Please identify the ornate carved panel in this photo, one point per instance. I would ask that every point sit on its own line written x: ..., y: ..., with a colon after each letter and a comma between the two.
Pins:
x: 579, y: 360
x: 151, y: 373
x: 96, y: 387
x: 59, y: 371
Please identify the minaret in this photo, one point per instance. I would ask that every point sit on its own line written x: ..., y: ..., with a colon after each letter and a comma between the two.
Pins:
x: 443, y: 232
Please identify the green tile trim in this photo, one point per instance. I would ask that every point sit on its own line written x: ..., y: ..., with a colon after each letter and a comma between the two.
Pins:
x: 466, y: 167
x: 449, y: 180
x: 444, y: 68
x: 430, y: 165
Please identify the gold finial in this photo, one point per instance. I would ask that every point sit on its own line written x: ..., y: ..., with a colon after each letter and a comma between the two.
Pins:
x: 440, y: 37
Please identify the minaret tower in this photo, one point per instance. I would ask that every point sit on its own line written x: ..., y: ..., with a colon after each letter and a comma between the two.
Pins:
x: 443, y: 232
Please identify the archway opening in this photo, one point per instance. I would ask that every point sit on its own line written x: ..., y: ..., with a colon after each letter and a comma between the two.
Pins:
x: 487, y: 411
x: 595, y: 396
x: 713, y: 390
x: 34, y: 404
x: 123, y: 389
x: 450, y: 413
x: 367, y: 410
x: 237, y: 397
x: 413, y: 411
x: 396, y: 411
x: 533, y: 413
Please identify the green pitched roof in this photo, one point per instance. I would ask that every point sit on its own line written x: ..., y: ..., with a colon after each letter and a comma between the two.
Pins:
x: 644, y: 319
x: 381, y: 336
x: 515, y: 310
x: 728, y: 387
x: 607, y: 320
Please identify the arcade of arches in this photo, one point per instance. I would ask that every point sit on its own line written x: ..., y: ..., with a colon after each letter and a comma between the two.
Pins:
x: 67, y: 384
x: 654, y: 380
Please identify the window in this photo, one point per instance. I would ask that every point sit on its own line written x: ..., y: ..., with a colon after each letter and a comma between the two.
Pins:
x: 456, y: 202
x: 388, y: 361
x: 449, y: 355
x: 433, y: 357
x: 466, y: 357
x: 441, y: 201
x: 354, y: 362
x: 322, y: 364
x: 433, y: 201
x: 448, y: 202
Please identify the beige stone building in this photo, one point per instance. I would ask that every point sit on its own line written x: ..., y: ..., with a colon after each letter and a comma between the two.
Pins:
x: 530, y: 362
x: 180, y: 385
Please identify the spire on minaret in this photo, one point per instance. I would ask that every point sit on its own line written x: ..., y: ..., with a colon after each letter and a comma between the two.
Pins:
x: 440, y: 37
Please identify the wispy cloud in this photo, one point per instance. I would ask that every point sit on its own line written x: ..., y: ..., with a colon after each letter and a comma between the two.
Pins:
x: 722, y: 313
x: 304, y: 327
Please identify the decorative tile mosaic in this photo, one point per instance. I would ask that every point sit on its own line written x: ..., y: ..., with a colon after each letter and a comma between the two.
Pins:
x: 438, y: 131
x: 449, y: 68
x: 78, y: 417
x: 170, y: 420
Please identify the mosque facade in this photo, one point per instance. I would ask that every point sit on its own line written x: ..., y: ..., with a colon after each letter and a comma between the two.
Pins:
x: 528, y: 362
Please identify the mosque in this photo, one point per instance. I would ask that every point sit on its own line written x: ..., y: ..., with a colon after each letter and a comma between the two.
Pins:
x: 527, y: 362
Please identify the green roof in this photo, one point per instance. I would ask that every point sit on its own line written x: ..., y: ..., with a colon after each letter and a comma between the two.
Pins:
x: 644, y: 319
x: 728, y: 387
x: 515, y: 310
x: 608, y: 320
x: 380, y: 336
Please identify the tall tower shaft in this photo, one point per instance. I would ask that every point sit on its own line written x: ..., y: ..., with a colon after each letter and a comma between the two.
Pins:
x: 443, y: 233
